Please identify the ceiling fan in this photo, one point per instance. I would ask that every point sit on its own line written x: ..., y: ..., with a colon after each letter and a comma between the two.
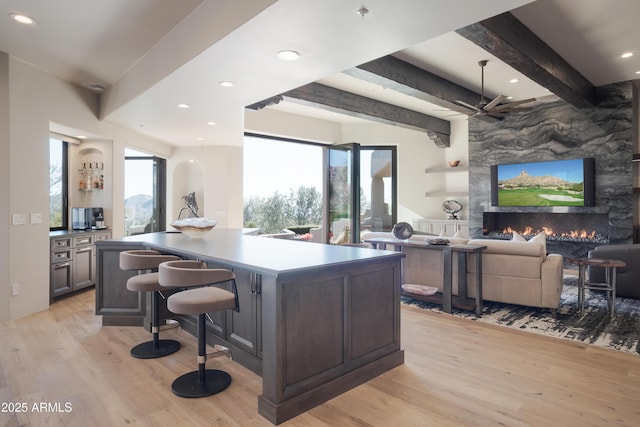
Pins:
x: 494, y: 108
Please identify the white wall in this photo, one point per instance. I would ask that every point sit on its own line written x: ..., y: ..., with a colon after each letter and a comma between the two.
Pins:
x: 37, y: 102
x: 219, y: 194
x: 4, y: 187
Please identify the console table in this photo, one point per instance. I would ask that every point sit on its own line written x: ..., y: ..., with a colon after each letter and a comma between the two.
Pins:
x: 609, y: 287
x: 415, y: 250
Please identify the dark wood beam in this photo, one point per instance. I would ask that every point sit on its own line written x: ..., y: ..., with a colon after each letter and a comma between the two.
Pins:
x: 512, y: 42
x: 339, y: 101
x: 400, y: 76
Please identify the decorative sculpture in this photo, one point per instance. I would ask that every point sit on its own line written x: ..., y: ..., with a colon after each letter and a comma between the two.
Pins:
x: 191, y: 205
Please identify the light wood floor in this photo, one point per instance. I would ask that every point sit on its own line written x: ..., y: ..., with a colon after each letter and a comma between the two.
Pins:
x: 457, y: 373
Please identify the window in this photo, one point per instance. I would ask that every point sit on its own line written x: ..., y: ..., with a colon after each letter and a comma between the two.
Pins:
x: 334, y: 191
x: 282, y: 184
x: 58, y: 184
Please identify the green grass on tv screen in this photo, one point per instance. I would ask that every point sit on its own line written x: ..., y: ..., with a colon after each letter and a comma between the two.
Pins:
x: 539, y: 197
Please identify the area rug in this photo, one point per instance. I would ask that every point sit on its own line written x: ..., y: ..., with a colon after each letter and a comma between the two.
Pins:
x: 595, y: 327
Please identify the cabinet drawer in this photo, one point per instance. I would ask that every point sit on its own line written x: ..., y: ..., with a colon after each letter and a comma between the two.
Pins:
x: 61, y: 243
x: 101, y: 236
x: 83, y: 240
x: 61, y: 256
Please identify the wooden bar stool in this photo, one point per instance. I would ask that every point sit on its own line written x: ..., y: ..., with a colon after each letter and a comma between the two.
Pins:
x: 201, y: 300
x: 148, y: 260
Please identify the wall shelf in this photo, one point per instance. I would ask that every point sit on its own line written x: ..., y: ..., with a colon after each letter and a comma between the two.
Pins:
x: 446, y: 194
x: 446, y: 169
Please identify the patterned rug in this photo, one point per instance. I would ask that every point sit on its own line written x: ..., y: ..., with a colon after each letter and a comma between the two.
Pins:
x: 596, y: 327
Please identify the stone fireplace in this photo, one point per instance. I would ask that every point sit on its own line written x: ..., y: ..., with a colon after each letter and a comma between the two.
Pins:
x: 555, y: 130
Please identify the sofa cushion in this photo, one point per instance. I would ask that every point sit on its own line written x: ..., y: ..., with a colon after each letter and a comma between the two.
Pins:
x: 509, y: 247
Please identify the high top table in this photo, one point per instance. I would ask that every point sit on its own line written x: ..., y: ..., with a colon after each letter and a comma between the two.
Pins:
x: 412, y: 248
x: 609, y: 287
x: 315, y: 320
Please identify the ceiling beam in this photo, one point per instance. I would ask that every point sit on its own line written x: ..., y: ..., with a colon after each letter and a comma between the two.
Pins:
x: 400, y: 76
x: 327, y: 98
x: 512, y: 42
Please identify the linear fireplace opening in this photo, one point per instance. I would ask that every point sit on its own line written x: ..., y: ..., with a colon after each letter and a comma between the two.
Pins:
x: 570, y: 234
x: 574, y: 227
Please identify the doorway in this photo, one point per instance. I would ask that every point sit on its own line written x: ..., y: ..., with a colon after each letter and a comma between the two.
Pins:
x: 144, y: 192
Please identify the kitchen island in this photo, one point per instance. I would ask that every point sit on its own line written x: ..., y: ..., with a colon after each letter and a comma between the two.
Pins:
x: 315, y: 320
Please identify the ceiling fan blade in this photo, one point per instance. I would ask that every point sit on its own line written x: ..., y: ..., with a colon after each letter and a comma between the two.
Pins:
x: 497, y: 100
x: 469, y: 106
x: 513, y: 104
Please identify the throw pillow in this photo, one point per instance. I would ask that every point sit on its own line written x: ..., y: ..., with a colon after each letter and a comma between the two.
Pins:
x: 540, y: 239
x: 459, y: 235
x: 517, y: 237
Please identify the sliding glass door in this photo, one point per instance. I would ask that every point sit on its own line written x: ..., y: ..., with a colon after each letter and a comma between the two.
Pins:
x: 360, y: 191
x: 342, y: 193
x: 145, y: 189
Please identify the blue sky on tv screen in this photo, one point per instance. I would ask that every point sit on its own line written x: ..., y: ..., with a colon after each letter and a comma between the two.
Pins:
x: 568, y: 170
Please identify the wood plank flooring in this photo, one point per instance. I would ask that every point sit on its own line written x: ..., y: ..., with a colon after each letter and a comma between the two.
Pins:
x: 457, y: 373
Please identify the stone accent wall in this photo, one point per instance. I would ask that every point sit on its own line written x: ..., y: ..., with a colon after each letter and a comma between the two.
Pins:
x: 555, y: 130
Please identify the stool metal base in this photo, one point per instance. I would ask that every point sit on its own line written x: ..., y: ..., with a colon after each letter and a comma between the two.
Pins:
x: 188, y: 385
x: 148, y: 350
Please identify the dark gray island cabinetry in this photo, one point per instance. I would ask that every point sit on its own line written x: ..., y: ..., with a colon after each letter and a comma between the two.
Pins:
x: 315, y: 320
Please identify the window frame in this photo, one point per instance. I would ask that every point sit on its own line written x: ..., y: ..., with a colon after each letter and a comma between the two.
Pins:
x: 64, y: 183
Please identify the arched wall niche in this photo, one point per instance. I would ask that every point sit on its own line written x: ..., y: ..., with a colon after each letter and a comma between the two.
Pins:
x: 188, y: 177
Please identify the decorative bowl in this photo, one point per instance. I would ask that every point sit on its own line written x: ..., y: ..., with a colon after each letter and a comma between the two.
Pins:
x: 454, y: 163
x: 194, y: 227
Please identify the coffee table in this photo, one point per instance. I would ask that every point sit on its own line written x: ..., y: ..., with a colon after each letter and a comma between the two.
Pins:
x: 609, y: 287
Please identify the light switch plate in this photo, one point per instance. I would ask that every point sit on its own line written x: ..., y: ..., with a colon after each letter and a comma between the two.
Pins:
x: 19, y: 219
x: 36, y: 218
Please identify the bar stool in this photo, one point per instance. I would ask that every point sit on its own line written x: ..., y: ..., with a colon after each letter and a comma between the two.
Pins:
x: 142, y: 260
x: 201, y: 300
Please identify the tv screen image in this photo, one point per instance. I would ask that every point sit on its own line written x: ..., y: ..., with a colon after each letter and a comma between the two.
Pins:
x: 551, y: 183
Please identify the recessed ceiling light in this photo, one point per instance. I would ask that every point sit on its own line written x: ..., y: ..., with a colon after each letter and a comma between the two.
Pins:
x: 81, y: 137
x: 226, y: 83
x: 627, y: 55
x: 96, y: 87
x: 182, y: 105
x: 199, y: 138
x: 637, y: 72
x: 288, y: 55
x: 23, y: 19
x: 513, y: 81
x: 211, y: 123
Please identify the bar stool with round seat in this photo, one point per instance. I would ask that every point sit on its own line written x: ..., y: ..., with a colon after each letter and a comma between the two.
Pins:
x: 147, y: 260
x: 201, y: 300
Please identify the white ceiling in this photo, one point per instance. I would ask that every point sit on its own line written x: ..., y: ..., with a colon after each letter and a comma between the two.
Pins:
x: 154, y: 54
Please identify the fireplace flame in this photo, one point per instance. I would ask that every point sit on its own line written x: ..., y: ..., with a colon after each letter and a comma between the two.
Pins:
x: 548, y: 231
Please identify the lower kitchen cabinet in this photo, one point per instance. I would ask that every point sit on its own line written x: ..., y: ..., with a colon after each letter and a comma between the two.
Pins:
x: 73, y: 261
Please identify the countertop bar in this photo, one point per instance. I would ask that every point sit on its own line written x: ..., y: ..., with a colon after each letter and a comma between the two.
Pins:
x: 315, y: 320
x: 267, y: 256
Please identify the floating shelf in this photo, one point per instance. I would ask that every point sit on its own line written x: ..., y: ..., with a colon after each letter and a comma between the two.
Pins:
x: 446, y: 194
x: 446, y: 169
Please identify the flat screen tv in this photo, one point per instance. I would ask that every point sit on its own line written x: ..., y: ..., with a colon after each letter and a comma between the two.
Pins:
x: 552, y: 183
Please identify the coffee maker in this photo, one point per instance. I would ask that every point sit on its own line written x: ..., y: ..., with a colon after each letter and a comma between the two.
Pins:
x: 87, y: 218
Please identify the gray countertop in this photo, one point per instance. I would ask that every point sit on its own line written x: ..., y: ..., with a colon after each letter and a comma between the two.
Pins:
x: 63, y: 233
x: 265, y: 255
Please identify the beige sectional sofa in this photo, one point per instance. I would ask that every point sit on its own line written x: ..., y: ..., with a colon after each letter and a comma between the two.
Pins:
x: 519, y: 273
x: 513, y: 272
